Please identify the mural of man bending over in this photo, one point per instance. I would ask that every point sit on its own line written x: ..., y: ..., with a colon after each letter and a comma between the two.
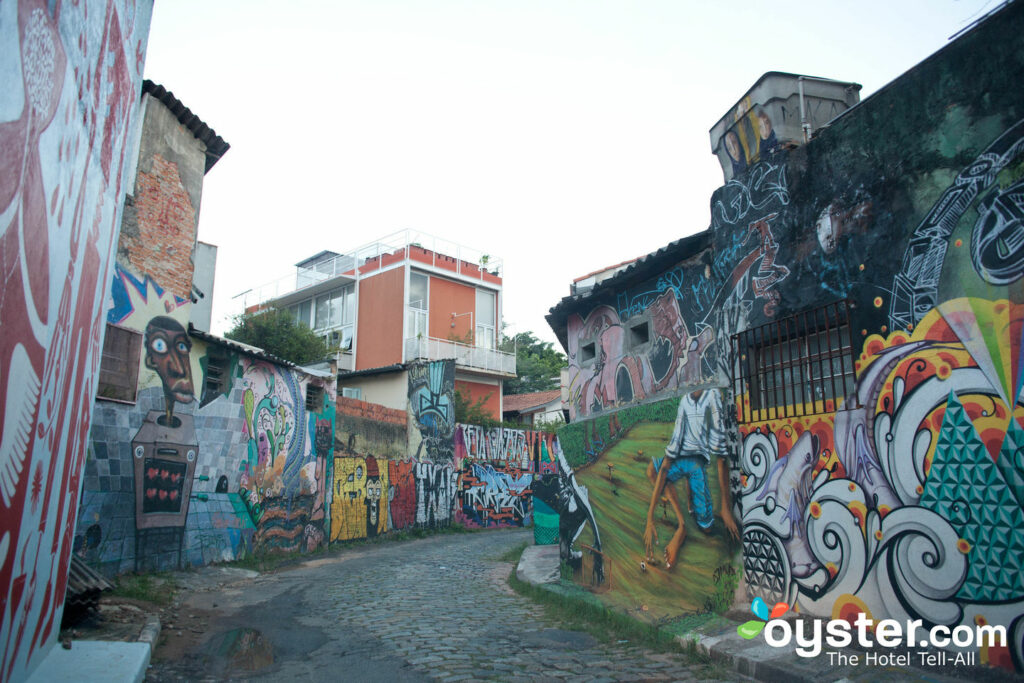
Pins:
x: 698, y: 434
x: 167, y: 352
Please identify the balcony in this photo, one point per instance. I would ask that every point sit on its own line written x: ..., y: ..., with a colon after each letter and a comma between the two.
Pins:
x: 466, y: 356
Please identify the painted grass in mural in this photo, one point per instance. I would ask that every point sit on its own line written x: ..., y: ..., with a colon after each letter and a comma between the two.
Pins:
x: 620, y: 493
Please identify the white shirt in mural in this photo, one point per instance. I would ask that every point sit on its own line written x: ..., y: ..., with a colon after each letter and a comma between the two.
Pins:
x: 698, y: 428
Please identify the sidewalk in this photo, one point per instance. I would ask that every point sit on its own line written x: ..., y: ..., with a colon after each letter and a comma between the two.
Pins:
x: 717, y: 638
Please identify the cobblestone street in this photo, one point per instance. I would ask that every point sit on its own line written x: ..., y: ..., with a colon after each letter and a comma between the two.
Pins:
x: 433, y: 609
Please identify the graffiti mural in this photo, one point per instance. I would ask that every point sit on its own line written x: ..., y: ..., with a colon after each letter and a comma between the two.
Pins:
x: 66, y: 141
x: 436, y: 487
x: 494, y: 495
x: 432, y: 410
x: 360, y: 508
x: 401, y: 495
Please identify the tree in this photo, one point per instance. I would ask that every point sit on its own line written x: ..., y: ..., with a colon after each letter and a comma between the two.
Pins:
x: 275, y: 331
x: 538, y: 364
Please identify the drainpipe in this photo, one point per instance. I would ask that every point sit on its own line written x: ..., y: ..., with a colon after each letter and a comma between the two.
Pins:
x: 804, y: 123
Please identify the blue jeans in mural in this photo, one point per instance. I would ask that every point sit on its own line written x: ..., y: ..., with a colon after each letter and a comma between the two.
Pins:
x: 691, y: 467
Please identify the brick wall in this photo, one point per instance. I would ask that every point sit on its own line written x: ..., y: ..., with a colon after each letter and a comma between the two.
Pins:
x: 161, y: 244
x: 371, y: 411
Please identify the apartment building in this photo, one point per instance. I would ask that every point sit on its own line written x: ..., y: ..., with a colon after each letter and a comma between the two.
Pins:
x: 403, y: 298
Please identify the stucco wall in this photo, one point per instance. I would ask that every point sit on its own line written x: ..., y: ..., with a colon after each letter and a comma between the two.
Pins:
x: 71, y: 76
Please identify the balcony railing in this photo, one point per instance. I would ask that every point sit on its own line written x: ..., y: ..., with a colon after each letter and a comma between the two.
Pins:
x: 465, y: 355
x: 413, y: 245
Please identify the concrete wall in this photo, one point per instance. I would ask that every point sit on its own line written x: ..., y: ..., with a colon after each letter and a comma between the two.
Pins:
x: 388, y: 389
x: 205, y: 259
x: 899, y: 497
x: 66, y: 140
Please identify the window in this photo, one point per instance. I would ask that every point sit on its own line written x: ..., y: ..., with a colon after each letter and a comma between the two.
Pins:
x: 352, y: 392
x: 217, y: 364
x: 639, y: 334
x: 795, y: 366
x: 303, y: 313
x: 485, y: 317
x: 336, y: 314
x: 416, y: 306
x: 119, y: 365
x: 314, y: 398
x: 588, y: 352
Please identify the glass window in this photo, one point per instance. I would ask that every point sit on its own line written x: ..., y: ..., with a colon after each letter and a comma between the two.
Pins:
x: 485, y: 316
x: 302, y: 312
x: 416, y: 313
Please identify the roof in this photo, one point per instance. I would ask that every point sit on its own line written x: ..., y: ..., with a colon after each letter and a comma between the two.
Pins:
x: 522, y: 403
x: 643, y: 268
x: 602, y: 270
x: 383, y: 369
x: 240, y: 347
x: 215, y: 144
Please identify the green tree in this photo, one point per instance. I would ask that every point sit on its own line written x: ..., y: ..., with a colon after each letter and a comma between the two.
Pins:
x: 538, y: 364
x: 468, y: 411
x: 275, y: 331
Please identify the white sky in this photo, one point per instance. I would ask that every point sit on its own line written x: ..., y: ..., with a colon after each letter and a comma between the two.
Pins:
x: 561, y: 136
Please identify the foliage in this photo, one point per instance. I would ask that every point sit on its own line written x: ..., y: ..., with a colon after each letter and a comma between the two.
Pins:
x: 572, y: 437
x: 538, y: 364
x: 472, y: 412
x: 155, y: 588
x: 275, y: 331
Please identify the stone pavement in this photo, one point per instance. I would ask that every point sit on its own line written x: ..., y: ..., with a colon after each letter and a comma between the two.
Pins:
x: 433, y: 609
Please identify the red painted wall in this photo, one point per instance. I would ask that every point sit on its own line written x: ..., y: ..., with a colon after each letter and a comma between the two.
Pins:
x: 447, y: 297
x: 477, y: 390
x: 381, y: 309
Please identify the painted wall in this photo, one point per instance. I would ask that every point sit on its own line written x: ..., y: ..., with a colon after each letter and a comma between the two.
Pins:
x: 71, y: 81
x: 381, y: 316
x: 491, y: 393
x: 447, y: 297
x: 431, y: 411
x: 389, y: 389
x: 257, y: 479
x: 900, y: 499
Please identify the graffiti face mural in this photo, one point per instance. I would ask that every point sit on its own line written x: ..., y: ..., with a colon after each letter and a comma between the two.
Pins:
x: 167, y: 352
x: 432, y: 409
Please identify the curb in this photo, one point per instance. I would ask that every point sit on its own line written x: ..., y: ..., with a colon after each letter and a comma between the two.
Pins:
x: 150, y: 633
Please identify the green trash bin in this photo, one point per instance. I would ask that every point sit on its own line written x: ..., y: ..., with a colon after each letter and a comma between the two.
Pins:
x: 545, y: 524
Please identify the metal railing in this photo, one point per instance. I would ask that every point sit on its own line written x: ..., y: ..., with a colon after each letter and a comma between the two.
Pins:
x: 417, y: 246
x: 465, y: 355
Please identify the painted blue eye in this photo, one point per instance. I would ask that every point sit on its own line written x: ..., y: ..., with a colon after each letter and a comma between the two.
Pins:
x: 182, y: 347
x: 159, y: 345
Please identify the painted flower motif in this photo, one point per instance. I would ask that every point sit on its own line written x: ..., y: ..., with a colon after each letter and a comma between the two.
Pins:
x: 963, y: 546
x: 815, y: 509
x: 760, y: 609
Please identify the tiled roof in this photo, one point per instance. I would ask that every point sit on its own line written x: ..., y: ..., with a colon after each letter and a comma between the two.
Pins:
x: 215, y: 144
x: 644, y: 267
x: 519, y: 403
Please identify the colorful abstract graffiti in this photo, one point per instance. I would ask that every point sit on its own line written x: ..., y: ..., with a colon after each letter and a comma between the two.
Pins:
x: 525, y: 449
x: 432, y: 410
x: 66, y: 141
x: 491, y: 495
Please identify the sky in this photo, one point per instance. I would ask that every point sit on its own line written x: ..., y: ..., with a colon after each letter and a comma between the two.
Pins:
x: 561, y: 136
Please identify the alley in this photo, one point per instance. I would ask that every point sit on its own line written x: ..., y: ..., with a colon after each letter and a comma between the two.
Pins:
x: 433, y: 609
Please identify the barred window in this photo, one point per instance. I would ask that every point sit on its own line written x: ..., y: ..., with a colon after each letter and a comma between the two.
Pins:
x: 119, y: 365
x: 217, y: 364
x: 314, y: 398
x: 795, y: 366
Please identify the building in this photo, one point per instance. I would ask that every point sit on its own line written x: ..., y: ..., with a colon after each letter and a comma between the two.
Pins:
x: 534, y: 408
x: 201, y: 449
x: 834, y: 366
x: 67, y: 142
x: 406, y: 297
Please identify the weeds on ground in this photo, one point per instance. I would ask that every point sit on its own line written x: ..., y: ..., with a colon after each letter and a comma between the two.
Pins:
x: 597, y: 620
x: 512, y: 554
x: 154, y: 588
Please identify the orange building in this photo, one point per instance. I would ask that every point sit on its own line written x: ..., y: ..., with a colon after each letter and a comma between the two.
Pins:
x: 403, y: 298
